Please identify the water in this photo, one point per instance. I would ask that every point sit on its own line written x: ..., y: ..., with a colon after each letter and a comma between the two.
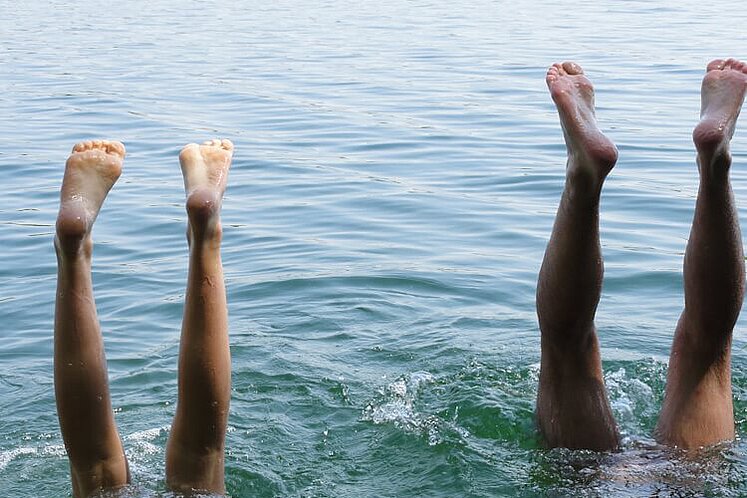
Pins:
x: 397, y: 170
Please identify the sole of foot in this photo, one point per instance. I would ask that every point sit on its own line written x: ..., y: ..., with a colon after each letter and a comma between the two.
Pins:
x: 90, y: 172
x: 722, y: 96
x: 205, y: 171
x: 590, y: 151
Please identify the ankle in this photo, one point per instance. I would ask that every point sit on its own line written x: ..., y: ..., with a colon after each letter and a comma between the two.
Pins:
x: 71, y: 249
x: 205, y: 236
x: 583, y: 187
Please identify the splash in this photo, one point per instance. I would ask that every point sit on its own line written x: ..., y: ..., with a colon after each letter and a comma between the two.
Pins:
x: 396, y: 404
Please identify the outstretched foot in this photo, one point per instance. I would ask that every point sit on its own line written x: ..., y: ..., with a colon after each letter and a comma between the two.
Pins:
x: 590, y: 153
x: 205, y: 170
x: 722, y: 95
x: 90, y: 172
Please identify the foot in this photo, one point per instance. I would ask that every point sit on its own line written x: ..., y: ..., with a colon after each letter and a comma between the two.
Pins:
x: 90, y: 172
x: 722, y: 95
x: 205, y: 170
x: 590, y: 153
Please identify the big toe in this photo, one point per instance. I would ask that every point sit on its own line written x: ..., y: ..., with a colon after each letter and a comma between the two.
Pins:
x: 114, y: 147
x: 189, y: 153
x: 572, y: 68
x: 715, y: 65
x: 227, y: 144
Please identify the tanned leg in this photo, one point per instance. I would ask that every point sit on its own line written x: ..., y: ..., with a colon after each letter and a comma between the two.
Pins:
x: 697, y: 407
x: 572, y: 406
x: 97, y: 459
x: 195, y: 450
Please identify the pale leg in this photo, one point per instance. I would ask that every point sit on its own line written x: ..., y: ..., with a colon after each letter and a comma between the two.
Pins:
x: 196, y: 446
x: 97, y: 459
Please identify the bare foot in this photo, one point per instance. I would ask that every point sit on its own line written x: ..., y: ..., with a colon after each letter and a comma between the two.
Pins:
x: 722, y: 95
x: 90, y: 172
x: 205, y: 170
x: 589, y: 151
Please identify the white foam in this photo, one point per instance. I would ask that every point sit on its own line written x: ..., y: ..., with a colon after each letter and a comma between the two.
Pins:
x: 146, y: 435
x: 398, y: 408
x: 8, y: 456
x: 142, y: 442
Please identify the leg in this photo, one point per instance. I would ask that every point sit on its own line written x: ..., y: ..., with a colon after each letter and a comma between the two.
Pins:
x: 572, y: 406
x: 97, y: 459
x: 697, y: 407
x: 195, y: 451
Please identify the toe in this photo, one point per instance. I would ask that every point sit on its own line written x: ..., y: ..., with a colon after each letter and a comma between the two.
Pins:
x: 715, y: 64
x: 115, y: 148
x: 107, y: 146
x: 557, y: 68
x: 189, y: 150
x: 552, y: 73
x: 572, y: 68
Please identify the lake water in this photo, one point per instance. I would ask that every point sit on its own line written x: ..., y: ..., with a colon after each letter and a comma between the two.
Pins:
x: 397, y: 169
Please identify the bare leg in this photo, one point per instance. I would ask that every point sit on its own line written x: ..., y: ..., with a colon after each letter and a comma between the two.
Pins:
x: 195, y: 451
x: 697, y: 407
x: 97, y: 459
x: 572, y: 406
